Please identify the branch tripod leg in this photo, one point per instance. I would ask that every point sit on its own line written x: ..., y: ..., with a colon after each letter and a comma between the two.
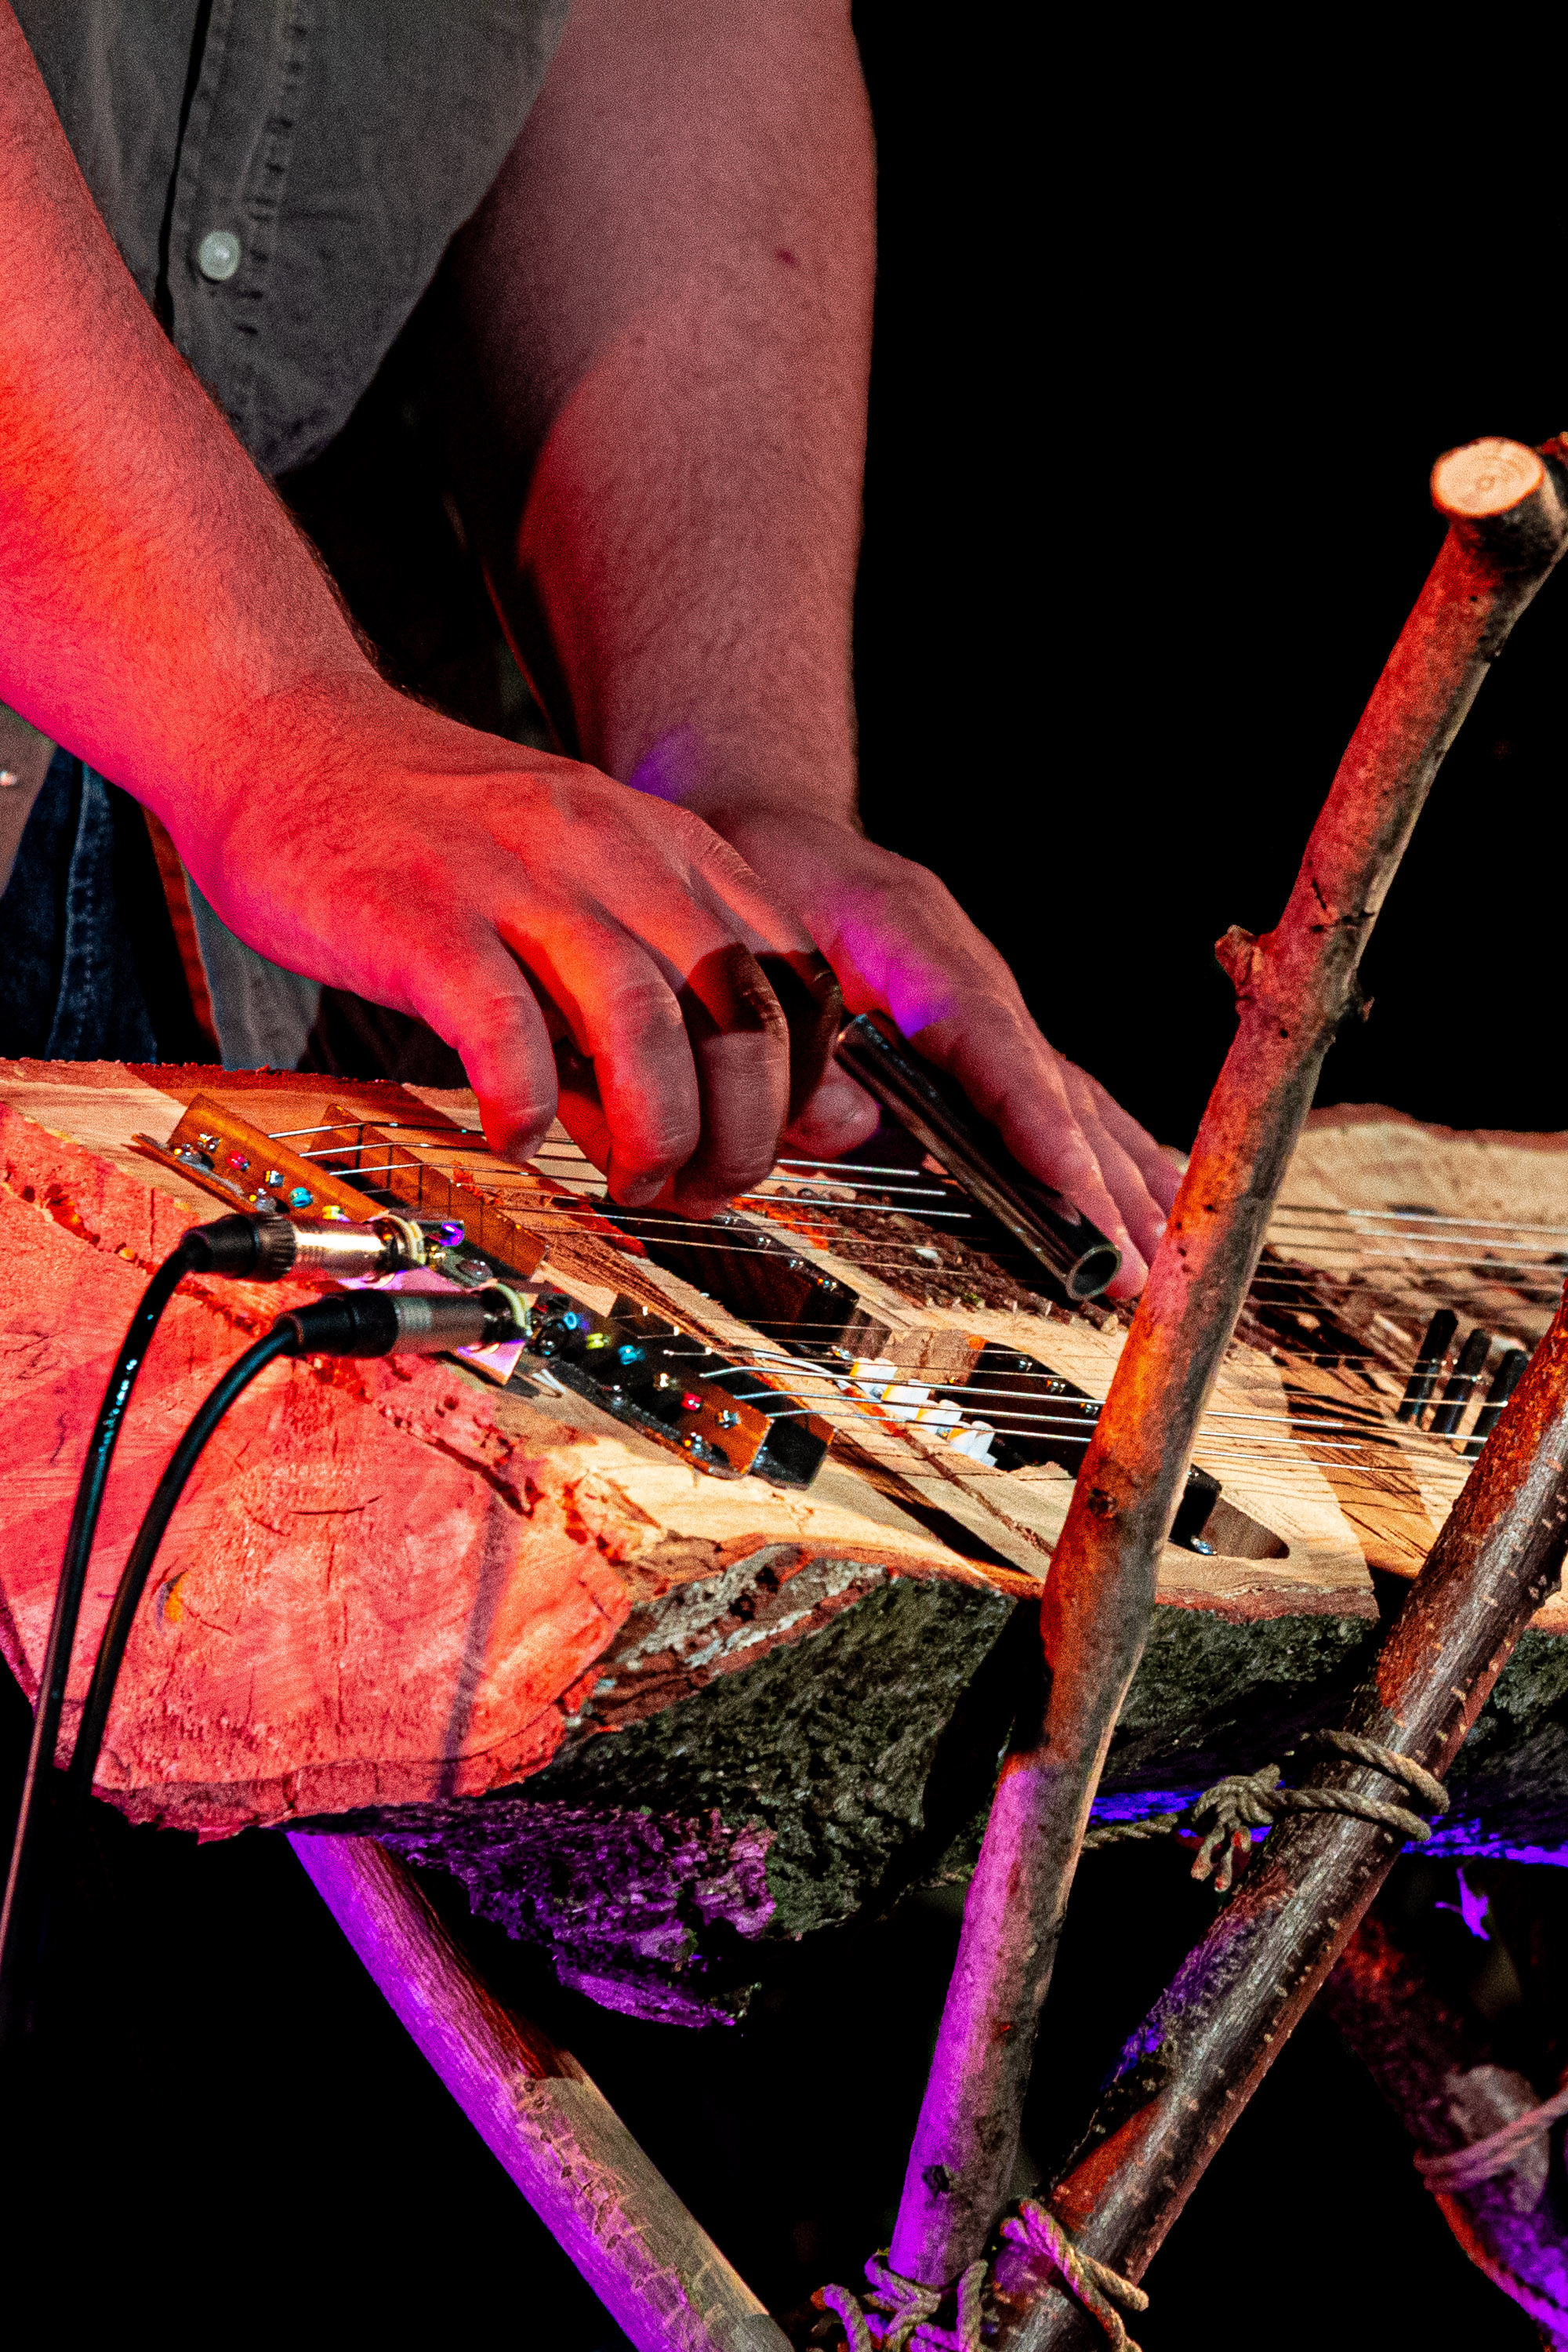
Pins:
x: 655, y: 2270
x: 1196, y: 2061
x: 1509, y: 513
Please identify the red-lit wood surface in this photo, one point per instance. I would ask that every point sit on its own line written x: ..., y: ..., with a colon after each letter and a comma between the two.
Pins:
x: 388, y: 1581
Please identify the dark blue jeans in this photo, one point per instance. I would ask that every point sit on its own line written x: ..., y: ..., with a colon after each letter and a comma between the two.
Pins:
x: 84, y: 960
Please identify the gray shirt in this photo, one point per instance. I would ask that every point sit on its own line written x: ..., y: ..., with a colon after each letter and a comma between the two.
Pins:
x: 283, y: 176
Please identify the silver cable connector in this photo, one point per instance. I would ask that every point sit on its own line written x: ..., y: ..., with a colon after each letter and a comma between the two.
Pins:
x: 388, y: 1245
x: 432, y: 1322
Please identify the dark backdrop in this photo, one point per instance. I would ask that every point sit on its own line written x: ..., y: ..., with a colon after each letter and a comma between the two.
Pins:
x: 1168, y: 338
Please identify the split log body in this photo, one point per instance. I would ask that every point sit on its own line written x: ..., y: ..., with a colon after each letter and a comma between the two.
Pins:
x: 656, y: 1721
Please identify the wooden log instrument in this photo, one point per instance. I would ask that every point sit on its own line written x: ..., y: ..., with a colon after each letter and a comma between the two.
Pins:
x: 659, y: 1709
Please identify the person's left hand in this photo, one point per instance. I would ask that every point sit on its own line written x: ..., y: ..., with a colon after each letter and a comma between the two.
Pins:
x: 899, y: 941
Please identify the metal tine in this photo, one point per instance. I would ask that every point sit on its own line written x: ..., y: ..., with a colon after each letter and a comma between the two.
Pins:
x: 336, y: 1127
x: 1321, y: 1359
x: 859, y: 1168
x: 1462, y: 1380
x: 968, y: 1389
x: 1303, y: 1431
x: 906, y: 1192
x: 1505, y: 1380
x: 578, y: 1159
x: 1438, y: 1262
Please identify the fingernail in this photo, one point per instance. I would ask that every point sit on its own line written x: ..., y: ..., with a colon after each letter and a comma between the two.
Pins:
x: 701, y: 1205
x: 636, y: 1192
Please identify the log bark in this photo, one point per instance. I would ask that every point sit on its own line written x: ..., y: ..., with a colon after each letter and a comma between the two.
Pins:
x: 1423, y: 2057
x: 1189, y: 2069
x: 654, y: 2268
x: 1294, y: 989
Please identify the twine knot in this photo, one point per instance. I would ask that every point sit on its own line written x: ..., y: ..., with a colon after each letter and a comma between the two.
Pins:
x: 907, y: 2311
x: 1098, y: 2287
x: 1234, y: 1807
x: 1244, y: 1801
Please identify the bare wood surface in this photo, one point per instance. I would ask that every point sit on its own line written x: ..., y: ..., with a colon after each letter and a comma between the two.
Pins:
x: 1191, y: 2067
x: 355, y: 1532
x: 1294, y: 989
x: 655, y: 2270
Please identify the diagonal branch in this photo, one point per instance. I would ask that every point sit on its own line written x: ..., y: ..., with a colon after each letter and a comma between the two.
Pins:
x: 1421, y: 2055
x: 1295, y: 987
x: 655, y: 2268
x: 1189, y: 2069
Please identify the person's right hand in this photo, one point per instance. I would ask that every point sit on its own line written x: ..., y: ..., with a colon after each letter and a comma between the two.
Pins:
x: 578, y: 943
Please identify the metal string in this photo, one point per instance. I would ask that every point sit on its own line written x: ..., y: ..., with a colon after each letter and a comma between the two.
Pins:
x: 1306, y: 1431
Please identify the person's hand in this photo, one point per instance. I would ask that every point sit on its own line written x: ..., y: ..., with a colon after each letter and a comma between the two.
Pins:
x: 899, y: 941
x: 573, y: 939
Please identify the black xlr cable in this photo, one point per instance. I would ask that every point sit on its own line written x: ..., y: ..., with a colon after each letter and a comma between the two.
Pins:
x: 255, y: 1249
x: 354, y: 1323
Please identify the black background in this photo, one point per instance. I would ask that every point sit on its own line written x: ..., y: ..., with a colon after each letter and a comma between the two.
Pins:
x: 1168, y: 338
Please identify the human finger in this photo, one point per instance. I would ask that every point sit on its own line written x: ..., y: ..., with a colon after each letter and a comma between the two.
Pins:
x: 1124, y: 1179
x: 481, y: 1004
x: 834, y: 1119
x: 1159, y: 1171
x: 628, y: 1022
x: 690, y: 1066
x: 1015, y: 1080
x: 740, y: 1044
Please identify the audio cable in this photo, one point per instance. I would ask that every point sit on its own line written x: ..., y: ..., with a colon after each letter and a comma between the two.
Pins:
x: 356, y: 1323
x: 255, y: 1249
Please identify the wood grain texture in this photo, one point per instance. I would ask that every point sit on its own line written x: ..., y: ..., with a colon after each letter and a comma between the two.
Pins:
x: 385, y: 1584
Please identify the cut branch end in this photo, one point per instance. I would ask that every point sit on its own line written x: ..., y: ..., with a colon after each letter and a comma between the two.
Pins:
x: 1503, y: 497
x: 1485, y: 478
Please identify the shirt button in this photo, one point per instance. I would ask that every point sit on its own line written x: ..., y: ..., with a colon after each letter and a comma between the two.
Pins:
x: 217, y: 256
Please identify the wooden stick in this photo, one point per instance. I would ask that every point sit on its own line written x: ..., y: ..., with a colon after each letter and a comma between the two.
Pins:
x: 1192, y: 2065
x: 1294, y: 989
x: 1424, y: 2061
x: 657, y: 2272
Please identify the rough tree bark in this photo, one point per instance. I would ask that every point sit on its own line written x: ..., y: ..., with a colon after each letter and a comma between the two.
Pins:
x: 1190, y: 2068
x: 1294, y: 989
x: 655, y: 2270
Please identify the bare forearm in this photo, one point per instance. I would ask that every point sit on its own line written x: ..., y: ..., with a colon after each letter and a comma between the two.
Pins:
x: 667, y: 299
x: 161, y: 618
x: 156, y: 594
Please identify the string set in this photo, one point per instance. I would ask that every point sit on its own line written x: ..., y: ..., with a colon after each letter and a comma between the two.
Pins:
x: 1350, y: 1440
